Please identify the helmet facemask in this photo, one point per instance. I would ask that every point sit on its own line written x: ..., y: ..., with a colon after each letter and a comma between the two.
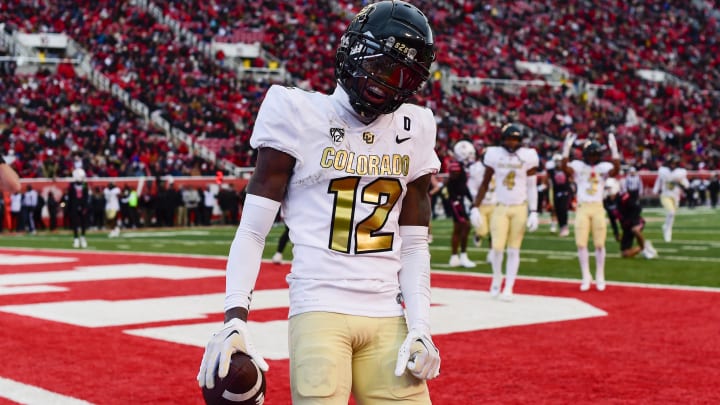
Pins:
x: 511, y: 138
x: 378, y: 79
x: 592, y: 153
x: 384, y: 57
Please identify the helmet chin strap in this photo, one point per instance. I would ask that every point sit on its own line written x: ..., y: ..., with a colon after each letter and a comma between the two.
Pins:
x: 364, y: 116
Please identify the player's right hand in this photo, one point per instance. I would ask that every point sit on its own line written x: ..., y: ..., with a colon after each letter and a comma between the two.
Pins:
x: 476, y: 218
x: 568, y: 144
x: 419, y: 355
x: 233, y: 337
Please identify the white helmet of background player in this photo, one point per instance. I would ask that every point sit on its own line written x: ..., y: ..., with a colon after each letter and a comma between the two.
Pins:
x: 464, y: 151
x: 612, y: 187
x: 78, y: 175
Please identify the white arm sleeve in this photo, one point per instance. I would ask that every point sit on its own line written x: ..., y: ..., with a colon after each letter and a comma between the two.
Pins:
x: 243, y: 263
x: 658, y: 183
x: 532, y: 192
x: 415, y: 277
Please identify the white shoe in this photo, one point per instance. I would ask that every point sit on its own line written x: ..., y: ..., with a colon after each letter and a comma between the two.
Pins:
x: 553, y: 227
x: 650, y: 249
x: 455, y: 261
x: 564, y: 231
x: 600, y: 285
x: 507, y: 295
x: 667, y: 233
x: 466, y: 262
x: 495, y: 287
x: 83, y: 243
x: 585, y: 285
x: 76, y: 243
x: 114, y: 233
x: 277, y: 258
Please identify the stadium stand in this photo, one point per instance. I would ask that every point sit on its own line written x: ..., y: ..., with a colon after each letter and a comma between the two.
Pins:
x: 645, y: 70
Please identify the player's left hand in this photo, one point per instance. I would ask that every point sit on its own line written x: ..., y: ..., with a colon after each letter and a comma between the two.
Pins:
x: 532, y: 222
x: 419, y: 355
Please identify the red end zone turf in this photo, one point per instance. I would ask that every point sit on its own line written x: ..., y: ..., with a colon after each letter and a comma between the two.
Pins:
x: 654, y: 346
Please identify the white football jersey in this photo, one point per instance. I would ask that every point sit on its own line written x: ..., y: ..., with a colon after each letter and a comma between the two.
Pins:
x: 511, y: 172
x: 670, y: 180
x: 112, y: 200
x: 590, y: 180
x: 475, y: 174
x: 345, y: 195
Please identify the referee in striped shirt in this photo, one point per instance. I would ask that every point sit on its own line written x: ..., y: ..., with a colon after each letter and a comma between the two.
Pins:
x: 632, y: 184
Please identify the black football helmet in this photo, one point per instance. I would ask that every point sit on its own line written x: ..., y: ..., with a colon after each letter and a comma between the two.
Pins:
x: 673, y: 160
x: 511, y: 137
x: 384, y: 57
x: 592, y: 152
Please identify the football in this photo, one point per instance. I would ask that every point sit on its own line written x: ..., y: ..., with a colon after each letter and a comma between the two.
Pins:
x: 244, y: 384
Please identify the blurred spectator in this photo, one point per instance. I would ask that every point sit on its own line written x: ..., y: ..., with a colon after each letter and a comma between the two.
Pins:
x: 208, y: 203
x: 191, y: 200
x: 52, y: 205
x: 714, y: 189
x: 29, y: 202
x: 16, y: 212
x: 37, y: 213
x: 97, y: 208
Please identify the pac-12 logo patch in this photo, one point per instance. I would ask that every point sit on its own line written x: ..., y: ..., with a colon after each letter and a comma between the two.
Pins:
x: 337, y: 135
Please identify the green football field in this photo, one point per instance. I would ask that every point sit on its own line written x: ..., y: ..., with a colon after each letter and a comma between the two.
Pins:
x: 691, y: 259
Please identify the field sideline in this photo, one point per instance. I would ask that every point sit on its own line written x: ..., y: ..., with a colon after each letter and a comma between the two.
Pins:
x: 691, y: 259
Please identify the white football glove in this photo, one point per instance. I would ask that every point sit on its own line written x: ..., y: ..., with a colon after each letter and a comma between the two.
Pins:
x: 612, y: 145
x: 532, y: 222
x: 476, y: 219
x: 568, y: 144
x: 233, y: 337
x: 419, y: 355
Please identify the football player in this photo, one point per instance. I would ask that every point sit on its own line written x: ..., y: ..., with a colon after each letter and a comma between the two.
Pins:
x: 671, y: 181
x: 351, y: 171
x: 589, y: 175
x: 560, y: 194
x: 622, y: 207
x: 457, y: 189
x: 112, y: 207
x: 514, y: 168
x: 476, y: 173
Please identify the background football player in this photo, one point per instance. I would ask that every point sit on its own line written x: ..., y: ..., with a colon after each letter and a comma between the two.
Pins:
x: 458, y: 193
x: 624, y: 208
x: 352, y: 172
x: 670, y: 182
x: 560, y: 194
x: 514, y: 168
x: 589, y: 175
x: 476, y: 173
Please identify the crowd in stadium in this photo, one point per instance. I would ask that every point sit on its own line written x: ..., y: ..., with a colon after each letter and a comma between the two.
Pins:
x: 49, y: 119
